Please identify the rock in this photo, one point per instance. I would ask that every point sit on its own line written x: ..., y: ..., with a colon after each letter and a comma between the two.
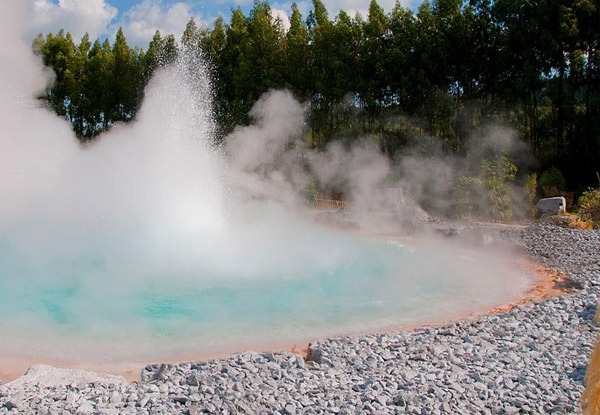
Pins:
x: 179, y: 399
x: 51, y: 377
x: 144, y: 401
x: 194, y: 410
x: 382, y: 399
x: 552, y: 205
x: 152, y: 373
x: 85, y: 408
x: 192, y: 380
x: 290, y: 408
x: 9, y: 405
x: 529, y: 360
x: 314, y: 354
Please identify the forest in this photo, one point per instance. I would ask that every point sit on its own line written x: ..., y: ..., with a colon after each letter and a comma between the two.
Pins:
x: 445, y: 72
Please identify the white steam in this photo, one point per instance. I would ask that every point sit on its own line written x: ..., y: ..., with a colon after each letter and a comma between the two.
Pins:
x: 30, y: 161
x: 266, y: 157
x: 94, y: 230
x: 146, y: 185
x: 270, y: 160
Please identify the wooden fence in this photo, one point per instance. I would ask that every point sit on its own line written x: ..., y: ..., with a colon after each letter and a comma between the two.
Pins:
x: 331, y: 204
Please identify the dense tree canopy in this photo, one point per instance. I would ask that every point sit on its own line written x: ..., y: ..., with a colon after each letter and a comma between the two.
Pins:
x: 445, y: 71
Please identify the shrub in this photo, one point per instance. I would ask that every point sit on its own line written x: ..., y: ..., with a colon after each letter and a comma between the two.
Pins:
x: 311, y: 192
x: 553, y: 182
x: 580, y: 223
x: 589, y: 206
x: 497, y: 175
x: 487, y: 193
x: 530, y: 188
x: 466, y: 195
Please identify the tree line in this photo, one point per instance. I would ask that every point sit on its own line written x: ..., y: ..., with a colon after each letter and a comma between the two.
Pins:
x: 444, y: 71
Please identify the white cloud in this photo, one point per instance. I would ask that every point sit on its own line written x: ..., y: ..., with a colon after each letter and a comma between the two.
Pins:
x: 143, y: 20
x: 334, y: 6
x: 235, y: 2
x: 362, y: 6
x: 283, y: 16
x: 75, y: 16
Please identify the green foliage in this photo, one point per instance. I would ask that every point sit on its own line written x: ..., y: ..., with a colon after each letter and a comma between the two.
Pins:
x: 466, y: 195
x: 99, y: 84
x: 297, y: 56
x: 589, y: 206
x: 530, y: 189
x: 311, y: 192
x: 190, y: 40
x: 552, y: 182
x: 497, y: 175
x: 450, y: 68
x: 487, y: 194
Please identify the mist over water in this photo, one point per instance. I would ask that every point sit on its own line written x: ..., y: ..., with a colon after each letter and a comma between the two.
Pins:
x: 154, y: 235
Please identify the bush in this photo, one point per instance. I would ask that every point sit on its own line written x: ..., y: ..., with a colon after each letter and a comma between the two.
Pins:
x: 311, y: 192
x: 553, y: 182
x: 530, y: 188
x: 580, y: 223
x: 487, y: 193
x: 466, y: 195
x: 589, y: 206
x: 497, y: 176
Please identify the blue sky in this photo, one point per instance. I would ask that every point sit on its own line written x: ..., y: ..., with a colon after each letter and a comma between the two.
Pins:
x: 141, y: 18
x: 212, y: 7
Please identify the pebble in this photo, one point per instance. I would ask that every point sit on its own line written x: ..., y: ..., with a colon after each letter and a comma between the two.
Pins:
x: 531, y: 359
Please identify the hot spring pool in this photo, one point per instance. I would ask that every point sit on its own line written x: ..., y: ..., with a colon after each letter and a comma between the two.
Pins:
x: 155, y: 243
x: 91, y: 309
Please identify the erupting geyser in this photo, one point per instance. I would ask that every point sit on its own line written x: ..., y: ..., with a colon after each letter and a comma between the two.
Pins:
x: 153, y: 243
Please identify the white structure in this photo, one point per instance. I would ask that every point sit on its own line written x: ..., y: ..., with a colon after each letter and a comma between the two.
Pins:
x: 552, y: 205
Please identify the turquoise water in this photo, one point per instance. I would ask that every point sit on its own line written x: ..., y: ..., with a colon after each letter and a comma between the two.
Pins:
x: 88, y: 307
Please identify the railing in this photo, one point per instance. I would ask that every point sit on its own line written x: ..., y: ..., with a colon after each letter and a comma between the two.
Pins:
x: 331, y: 204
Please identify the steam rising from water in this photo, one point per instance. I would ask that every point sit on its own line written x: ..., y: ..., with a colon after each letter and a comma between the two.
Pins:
x: 153, y: 216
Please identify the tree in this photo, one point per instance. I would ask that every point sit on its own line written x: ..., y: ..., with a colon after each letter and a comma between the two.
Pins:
x: 170, y: 50
x: 322, y: 74
x: 399, y: 58
x: 374, y: 77
x: 79, y: 100
x: 450, y: 68
x: 58, y: 52
x: 96, y: 83
x: 190, y: 40
x: 236, y: 72
x: 153, y: 58
x: 266, y: 52
x: 122, y: 80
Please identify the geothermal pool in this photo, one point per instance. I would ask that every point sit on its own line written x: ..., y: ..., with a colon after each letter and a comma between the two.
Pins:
x: 89, y: 309
x: 154, y: 242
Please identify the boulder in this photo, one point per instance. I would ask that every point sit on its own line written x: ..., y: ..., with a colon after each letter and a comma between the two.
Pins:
x: 552, y: 205
x: 157, y: 372
x: 52, y: 377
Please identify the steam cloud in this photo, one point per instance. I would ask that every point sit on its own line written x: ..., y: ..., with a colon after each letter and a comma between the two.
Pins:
x: 127, y: 181
x: 269, y: 160
x: 156, y: 197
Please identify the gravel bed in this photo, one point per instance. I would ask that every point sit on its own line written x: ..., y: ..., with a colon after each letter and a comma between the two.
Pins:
x: 531, y: 360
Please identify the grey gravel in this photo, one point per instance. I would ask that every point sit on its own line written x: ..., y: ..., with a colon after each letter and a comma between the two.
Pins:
x: 531, y: 360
